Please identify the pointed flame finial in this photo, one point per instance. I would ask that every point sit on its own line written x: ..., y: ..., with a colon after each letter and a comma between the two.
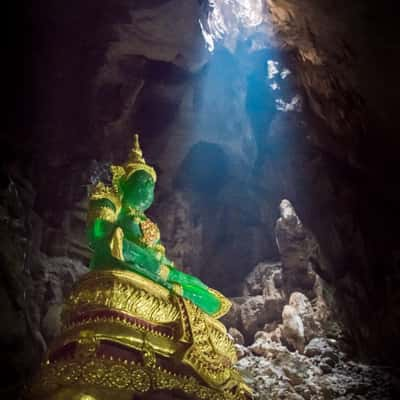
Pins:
x: 136, y: 154
x: 137, y: 162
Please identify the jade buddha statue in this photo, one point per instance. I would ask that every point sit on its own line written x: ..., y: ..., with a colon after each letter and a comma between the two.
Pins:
x: 136, y: 325
x: 124, y: 238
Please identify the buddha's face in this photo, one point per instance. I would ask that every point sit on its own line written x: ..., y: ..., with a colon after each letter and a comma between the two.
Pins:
x: 139, y: 191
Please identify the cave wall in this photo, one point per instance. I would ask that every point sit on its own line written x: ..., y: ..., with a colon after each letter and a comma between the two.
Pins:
x: 100, y: 72
x: 345, y: 55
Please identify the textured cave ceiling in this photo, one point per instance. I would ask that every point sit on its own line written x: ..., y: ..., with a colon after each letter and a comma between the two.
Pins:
x: 94, y: 72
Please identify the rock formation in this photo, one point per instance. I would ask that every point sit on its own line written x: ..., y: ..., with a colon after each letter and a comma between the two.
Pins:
x: 301, y: 353
x: 33, y: 285
x: 322, y: 373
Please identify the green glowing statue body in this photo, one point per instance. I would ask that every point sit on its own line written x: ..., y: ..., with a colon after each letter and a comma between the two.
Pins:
x: 123, y: 237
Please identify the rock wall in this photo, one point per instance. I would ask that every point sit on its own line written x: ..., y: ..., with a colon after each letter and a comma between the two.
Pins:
x: 32, y: 288
x: 344, y: 66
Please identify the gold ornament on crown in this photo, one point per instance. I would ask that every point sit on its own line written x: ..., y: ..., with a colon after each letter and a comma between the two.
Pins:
x: 136, y: 162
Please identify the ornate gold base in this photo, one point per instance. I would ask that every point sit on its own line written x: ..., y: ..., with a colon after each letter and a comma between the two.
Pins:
x: 89, y: 378
x: 124, y: 336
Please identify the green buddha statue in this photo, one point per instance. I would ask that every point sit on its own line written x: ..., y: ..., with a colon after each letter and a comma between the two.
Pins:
x: 124, y: 238
x: 135, y: 325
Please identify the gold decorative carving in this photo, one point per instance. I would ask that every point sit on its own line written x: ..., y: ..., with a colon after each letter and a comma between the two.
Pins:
x: 117, y: 173
x: 164, y: 272
x: 177, y: 289
x: 104, y: 213
x: 159, y: 248
x: 151, y: 233
x: 117, y: 378
x: 116, y: 244
x: 125, y: 291
x: 101, y: 191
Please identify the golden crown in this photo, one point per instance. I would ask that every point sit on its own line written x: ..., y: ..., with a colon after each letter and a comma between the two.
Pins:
x: 136, y: 162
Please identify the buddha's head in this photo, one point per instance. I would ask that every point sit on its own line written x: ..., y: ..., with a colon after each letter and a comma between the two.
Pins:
x: 135, y: 180
x: 138, y: 190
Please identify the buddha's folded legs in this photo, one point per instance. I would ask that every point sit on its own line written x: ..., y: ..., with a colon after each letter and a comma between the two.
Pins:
x: 190, y: 287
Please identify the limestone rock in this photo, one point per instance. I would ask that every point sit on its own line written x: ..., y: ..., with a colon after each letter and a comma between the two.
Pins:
x: 20, y: 338
x: 264, y: 346
x: 253, y: 315
x: 266, y: 280
x: 262, y: 307
x: 293, y: 328
x: 325, y: 315
x: 294, y: 246
x: 51, y: 322
x: 262, y: 302
x: 236, y: 335
x: 262, y: 280
x: 273, y: 331
x: 166, y: 32
x: 305, y: 311
x: 321, y: 346
x: 52, y: 280
x: 241, y: 351
x: 274, y: 372
x: 233, y: 318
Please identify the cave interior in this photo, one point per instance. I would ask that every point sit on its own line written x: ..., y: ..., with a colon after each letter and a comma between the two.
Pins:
x: 273, y: 127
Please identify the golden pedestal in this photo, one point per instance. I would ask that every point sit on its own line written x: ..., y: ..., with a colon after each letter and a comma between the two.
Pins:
x: 124, y: 336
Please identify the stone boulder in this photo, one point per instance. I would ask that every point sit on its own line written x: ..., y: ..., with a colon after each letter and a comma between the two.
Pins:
x: 236, y: 335
x: 322, y: 373
x: 250, y: 314
x: 274, y: 372
x: 293, y: 329
x: 51, y: 322
x: 321, y: 346
x: 274, y: 331
x: 325, y: 351
x: 260, y: 306
x: 266, y: 280
x: 253, y: 315
x: 264, y: 346
x: 241, y: 351
x: 52, y: 280
x: 305, y: 311
x: 232, y: 318
x: 295, y: 245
